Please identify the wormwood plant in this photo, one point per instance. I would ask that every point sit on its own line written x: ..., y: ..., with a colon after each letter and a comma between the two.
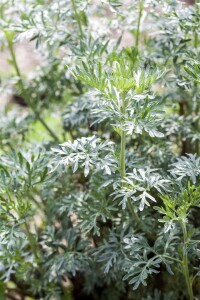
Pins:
x: 100, y: 168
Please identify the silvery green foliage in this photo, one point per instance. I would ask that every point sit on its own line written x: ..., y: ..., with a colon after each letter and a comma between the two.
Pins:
x: 141, y: 267
x: 78, y: 219
x: 62, y: 23
x: 81, y: 113
x: 124, y: 84
x: 89, y: 153
x: 109, y: 253
x: 23, y: 170
x: 20, y: 173
x: 186, y: 166
x: 36, y: 17
x: 176, y: 124
x: 137, y: 187
x: 13, y: 125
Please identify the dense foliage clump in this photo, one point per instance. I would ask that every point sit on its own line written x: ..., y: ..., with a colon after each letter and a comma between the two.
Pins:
x: 99, y: 164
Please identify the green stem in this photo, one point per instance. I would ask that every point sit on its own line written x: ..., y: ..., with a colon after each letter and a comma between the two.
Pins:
x: 123, y: 163
x: 45, y: 125
x: 123, y: 143
x: 195, y: 40
x: 137, y: 39
x: 197, y: 107
x: 77, y: 18
x: 23, y: 89
x: 2, y: 291
x: 185, y: 262
x: 123, y: 155
x: 198, y: 129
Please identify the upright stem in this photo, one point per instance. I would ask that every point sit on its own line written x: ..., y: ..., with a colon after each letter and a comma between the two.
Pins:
x: 77, y: 17
x: 185, y: 262
x: 123, y: 163
x: 123, y: 143
x: 198, y: 129
x: 195, y: 33
x: 195, y: 40
x: 197, y: 107
x: 137, y: 39
x: 123, y: 155
x: 23, y: 90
